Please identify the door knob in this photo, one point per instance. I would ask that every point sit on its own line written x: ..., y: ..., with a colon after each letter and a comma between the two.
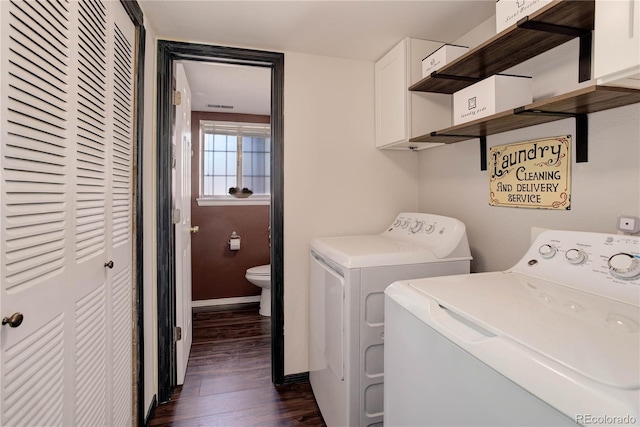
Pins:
x: 109, y: 264
x: 194, y: 229
x: 14, y: 321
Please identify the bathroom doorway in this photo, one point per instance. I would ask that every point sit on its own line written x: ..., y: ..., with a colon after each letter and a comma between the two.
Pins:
x: 168, y: 54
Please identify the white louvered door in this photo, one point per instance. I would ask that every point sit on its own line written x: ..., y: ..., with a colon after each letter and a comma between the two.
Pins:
x: 66, y: 132
x: 120, y: 222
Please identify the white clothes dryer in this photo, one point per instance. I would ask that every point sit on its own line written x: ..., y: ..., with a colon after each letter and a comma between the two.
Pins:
x: 348, y: 276
x: 553, y: 341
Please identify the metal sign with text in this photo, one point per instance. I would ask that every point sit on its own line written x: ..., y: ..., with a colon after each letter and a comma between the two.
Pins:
x: 532, y: 174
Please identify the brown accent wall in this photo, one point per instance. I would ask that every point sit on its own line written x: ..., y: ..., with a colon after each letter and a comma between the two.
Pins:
x: 218, y: 272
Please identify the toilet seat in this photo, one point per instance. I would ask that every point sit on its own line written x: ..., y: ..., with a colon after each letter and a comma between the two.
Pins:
x: 261, y: 270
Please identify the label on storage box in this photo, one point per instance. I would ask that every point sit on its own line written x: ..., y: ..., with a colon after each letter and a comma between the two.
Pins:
x: 492, y: 95
x: 532, y: 174
x: 509, y: 12
x: 441, y: 57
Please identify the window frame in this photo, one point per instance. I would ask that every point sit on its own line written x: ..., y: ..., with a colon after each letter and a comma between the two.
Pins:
x: 259, y: 129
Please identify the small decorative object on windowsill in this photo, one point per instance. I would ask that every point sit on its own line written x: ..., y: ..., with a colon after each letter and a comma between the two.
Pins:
x: 240, y: 194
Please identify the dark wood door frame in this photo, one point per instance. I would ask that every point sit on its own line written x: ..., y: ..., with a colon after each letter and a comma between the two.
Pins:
x: 168, y: 52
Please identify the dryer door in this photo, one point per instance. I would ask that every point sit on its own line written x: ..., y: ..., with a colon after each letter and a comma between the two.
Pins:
x: 326, y: 301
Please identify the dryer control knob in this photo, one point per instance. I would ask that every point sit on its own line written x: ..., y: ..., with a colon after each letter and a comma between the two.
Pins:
x: 624, y: 266
x: 547, y: 251
x: 576, y: 256
x: 416, y: 226
x: 429, y: 228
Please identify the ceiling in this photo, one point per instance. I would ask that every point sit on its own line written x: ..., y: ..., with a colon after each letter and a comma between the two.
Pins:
x: 217, y: 87
x: 352, y: 29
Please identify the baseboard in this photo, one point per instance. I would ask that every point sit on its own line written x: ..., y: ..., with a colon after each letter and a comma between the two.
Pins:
x: 151, y: 411
x: 224, y: 301
x: 302, y: 377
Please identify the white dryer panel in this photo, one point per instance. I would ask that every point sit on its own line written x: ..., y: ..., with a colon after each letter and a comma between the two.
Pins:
x: 348, y: 276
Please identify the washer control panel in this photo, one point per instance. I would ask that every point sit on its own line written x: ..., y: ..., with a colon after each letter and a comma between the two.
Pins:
x: 604, y: 264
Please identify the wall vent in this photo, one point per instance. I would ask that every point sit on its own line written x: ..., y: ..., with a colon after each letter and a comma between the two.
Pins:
x: 230, y: 107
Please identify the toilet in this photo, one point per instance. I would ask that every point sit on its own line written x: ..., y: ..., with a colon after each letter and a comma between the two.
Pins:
x: 261, y: 277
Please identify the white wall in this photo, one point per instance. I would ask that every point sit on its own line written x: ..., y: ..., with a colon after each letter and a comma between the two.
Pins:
x: 336, y: 181
x: 452, y: 184
x: 149, y: 221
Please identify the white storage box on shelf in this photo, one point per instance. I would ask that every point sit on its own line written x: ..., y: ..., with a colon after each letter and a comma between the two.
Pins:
x: 509, y: 12
x: 492, y: 95
x: 441, y: 57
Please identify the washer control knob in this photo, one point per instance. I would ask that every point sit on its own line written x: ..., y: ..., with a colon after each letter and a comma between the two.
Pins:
x: 396, y: 223
x: 624, y: 266
x: 404, y: 223
x: 576, y: 256
x: 547, y: 251
x: 416, y: 226
x: 429, y: 228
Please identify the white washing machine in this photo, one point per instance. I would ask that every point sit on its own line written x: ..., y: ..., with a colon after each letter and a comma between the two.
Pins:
x: 553, y: 341
x: 348, y: 276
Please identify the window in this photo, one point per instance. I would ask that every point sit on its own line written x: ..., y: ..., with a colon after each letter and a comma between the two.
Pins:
x: 234, y: 155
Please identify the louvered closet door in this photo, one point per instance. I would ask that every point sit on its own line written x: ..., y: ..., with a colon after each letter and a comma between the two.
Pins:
x: 66, y: 85
x: 120, y: 221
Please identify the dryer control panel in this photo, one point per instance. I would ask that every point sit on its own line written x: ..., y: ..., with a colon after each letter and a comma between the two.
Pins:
x: 603, y: 264
x: 446, y: 237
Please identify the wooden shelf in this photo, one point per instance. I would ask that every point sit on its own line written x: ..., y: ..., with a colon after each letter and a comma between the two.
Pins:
x: 551, y: 26
x: 582, y: 101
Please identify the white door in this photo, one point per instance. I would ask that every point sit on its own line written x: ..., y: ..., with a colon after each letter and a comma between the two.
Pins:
x: 66, y: 133
x: 120, y: 238
x: 182, y: 207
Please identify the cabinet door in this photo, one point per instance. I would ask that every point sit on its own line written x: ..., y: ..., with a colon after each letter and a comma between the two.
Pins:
x: 391, y: 85
x: 400, y: 114
x: 617, y: 42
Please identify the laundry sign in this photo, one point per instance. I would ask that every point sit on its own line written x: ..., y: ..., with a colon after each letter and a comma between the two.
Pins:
x: 532, y: 174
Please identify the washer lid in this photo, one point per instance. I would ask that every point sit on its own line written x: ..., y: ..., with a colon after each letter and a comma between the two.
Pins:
x: 594, y: 336
x: 371, y: 251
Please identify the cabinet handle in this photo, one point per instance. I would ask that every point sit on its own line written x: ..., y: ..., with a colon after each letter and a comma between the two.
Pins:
x: 14, y: 321
x: 109, y: 264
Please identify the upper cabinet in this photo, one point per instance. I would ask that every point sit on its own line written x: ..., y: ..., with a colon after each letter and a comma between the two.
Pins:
x: 400, y: 114
x: 617, y: 43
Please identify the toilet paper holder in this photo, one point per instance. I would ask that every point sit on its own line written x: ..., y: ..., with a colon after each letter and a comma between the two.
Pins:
x: 234, y: 241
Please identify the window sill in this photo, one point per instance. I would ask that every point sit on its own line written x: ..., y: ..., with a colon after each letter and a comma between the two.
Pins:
x: 233, y: 201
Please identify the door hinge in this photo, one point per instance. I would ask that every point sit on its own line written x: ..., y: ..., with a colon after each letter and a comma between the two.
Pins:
x: 177, y: 333
x: 177, y: 97
x: 176, y: 216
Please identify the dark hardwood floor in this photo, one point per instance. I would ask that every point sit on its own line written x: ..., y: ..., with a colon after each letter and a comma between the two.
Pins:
x: 228, y: 380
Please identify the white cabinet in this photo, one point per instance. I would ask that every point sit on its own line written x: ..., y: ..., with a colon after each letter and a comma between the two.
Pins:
x: 617, y: 43
x: 401, y: 114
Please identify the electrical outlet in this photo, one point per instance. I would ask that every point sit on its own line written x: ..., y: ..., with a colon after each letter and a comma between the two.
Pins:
x: 628, y: 224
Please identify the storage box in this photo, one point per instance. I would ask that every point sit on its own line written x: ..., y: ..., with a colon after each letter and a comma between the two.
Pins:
x: 509, y: 12
x: 490, y: 96
x: 441, y: 57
